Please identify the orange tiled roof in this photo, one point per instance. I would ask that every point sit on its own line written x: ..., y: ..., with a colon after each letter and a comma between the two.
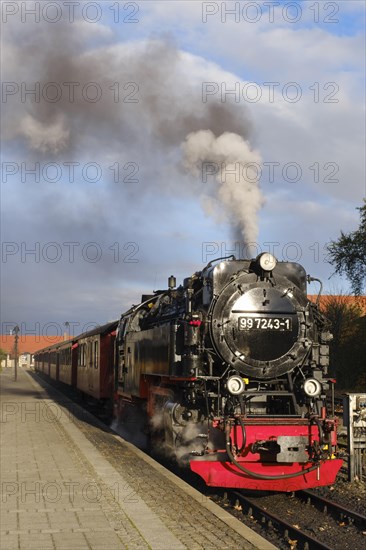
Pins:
x: 27, y: 343
x: 349, y: 300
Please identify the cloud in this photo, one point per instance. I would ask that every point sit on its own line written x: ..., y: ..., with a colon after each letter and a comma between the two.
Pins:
x: 161, y: 211
x: 43, y: 137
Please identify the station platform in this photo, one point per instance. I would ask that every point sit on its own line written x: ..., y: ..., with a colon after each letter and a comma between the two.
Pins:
x: 69, y: 483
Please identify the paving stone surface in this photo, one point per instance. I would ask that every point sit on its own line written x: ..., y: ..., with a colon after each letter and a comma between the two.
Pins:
x: 67, y: 483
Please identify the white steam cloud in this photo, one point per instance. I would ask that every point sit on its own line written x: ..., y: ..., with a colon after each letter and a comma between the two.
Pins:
x: 49, y: 137
x: 236, y: 168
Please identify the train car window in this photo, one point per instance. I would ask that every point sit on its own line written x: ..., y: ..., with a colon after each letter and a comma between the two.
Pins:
x: 96, y: 354
x: 82, y: 355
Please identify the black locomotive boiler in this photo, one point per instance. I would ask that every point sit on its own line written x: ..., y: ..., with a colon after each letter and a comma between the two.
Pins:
x: 231, y: 369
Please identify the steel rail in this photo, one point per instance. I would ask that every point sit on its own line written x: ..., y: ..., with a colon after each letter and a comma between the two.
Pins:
x: 330, y: 507
x: 288, y: 530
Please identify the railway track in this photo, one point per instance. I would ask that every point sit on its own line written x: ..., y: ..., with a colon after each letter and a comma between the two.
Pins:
x: 290, y: 532
x: 327, y: 506
x: 346, y: 525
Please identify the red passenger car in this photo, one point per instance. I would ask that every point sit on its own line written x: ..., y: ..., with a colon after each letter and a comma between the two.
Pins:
x: 67, y: 363
x: 95, y: 361
x: 85, y: 362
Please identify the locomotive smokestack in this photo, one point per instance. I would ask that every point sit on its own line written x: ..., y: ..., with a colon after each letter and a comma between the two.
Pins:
x: 172, y: 282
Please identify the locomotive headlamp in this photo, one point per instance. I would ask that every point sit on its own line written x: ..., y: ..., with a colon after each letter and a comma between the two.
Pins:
x: 267, y: 261
x: 312, y: 387
x: 235, y: 385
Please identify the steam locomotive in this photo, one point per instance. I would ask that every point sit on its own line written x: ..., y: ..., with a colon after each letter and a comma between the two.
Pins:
x: 231, y: 368
x: 228, y: 373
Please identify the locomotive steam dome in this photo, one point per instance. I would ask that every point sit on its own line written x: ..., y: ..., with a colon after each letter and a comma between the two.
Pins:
x: 259, y: 328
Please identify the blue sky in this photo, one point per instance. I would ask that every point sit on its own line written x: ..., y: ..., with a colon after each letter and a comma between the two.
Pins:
x: 128, y: 237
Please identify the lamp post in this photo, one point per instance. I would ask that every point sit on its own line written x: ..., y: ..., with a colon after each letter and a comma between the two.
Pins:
x: 16, y: 356
x: 66, y: 334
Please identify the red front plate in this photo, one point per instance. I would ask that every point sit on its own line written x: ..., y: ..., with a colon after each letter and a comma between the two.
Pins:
x: 225, y: 474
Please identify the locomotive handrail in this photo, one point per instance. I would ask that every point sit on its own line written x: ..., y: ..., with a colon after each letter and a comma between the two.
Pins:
x: 310, y: 280
x: 255, y: 393
x: 231, y: 257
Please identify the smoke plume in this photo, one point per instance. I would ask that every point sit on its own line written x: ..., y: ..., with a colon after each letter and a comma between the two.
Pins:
x: 146, y: 97
x: 236, y: 167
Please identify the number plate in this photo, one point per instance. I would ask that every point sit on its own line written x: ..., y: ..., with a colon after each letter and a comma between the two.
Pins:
x: 265, y: 323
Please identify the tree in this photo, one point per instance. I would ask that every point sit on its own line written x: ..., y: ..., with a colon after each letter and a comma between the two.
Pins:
x: 348, y: 254
x: 348, y: 347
